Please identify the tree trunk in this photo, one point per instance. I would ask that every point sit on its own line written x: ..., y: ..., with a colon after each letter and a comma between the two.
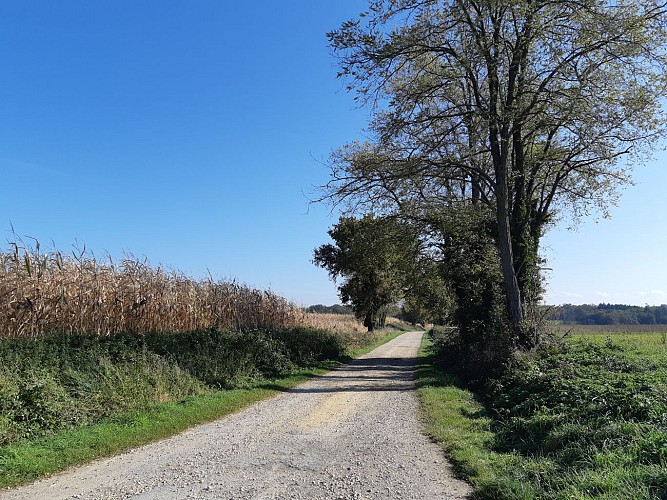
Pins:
x: 512, y: 290
x: 369, y: 320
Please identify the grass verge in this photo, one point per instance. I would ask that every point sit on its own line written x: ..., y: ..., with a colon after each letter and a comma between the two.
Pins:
x: 458, y: 422
x: 582, y: 420
x: 374, y: 345
x: 30, y: 459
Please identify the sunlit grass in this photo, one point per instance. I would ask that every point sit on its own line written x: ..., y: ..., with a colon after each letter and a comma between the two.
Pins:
x: 651, y: 344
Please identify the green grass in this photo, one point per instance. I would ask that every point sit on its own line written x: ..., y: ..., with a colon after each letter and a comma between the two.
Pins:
x: 29, y: 459
x: 651, y: 345
x: 26, y: 461
x: 582, y: 420
x: 455, y: 419
x: 374, y: 345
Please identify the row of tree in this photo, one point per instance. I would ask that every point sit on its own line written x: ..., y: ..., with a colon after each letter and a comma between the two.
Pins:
x: 380, y: 261
x: 609, y: 314
x: 490, y: 120
x: 332, y: 309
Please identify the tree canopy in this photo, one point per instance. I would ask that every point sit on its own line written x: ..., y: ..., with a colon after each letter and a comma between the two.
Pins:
x: 372, y: 257
x: 534, y: 108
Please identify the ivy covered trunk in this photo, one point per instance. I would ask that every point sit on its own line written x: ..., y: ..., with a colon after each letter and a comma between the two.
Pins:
x: 525, y: 245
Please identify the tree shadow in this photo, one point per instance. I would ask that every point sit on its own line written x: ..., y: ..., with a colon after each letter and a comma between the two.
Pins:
x: 360, y: 375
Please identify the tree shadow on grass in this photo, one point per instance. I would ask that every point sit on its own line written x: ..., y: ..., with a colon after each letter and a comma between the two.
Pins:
x: 431, y: 373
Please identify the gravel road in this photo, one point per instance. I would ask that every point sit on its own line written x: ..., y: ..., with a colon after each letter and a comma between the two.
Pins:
x: 353, y: 433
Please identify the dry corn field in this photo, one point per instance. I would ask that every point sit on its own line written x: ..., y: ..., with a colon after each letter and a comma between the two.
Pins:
x: 346, y: 323
x: 348, y: 328
x: 44, y: 293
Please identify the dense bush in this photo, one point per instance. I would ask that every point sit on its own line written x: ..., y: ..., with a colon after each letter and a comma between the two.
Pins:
x: 57, y: 382
x: 306, y: 346
x: 581, y: 419
x: 481, y: 344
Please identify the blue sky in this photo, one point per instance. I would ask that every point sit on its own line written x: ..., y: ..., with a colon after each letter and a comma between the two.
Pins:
x: 192, y: 133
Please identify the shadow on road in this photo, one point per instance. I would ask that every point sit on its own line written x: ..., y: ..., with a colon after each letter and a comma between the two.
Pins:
x: 362, y: 375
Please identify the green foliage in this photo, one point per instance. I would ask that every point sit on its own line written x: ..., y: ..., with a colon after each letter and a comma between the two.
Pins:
x: 594, y: 412
x: 27, y: 460
x: 522, y: 107
x: 59, y: 382
x: 482, y: 343
x: 427, y: 296
x: 455, y: 418
x: 24, y: 460
x: 585, y: 419
x: 308, y: 346
x: 372, y: 255
x: 333, y: 309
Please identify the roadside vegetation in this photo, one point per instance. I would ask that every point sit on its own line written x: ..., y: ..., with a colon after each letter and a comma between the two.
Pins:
x: 490, y: 122
x: 68, y: 399
x: 97, y: 356
x: 581, y: 419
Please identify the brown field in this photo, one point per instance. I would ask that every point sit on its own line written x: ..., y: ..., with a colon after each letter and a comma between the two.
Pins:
x: 350, y: 329
x: 45, y: 293
x: 334, y: 322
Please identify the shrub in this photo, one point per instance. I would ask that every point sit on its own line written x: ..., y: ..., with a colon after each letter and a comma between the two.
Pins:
x: 482, y: 344
x: 56, y: 382
x: 307, y: 346
x: 593, y: 415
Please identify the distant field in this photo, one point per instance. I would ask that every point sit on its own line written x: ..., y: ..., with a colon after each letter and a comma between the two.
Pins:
x: 606, y: 329
x: 647, y: 342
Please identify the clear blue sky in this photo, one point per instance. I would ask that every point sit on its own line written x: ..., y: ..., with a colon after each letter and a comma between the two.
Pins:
x: 192, y: 133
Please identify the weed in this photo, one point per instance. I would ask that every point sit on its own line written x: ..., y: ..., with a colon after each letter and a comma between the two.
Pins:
x: 583, y: 419
x: 179, y: 400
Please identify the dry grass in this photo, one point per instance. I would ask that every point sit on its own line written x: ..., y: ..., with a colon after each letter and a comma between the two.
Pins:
x: 334, y: 322
x: 50, y: 292
x: 349, y: 329
x: 345, y: 326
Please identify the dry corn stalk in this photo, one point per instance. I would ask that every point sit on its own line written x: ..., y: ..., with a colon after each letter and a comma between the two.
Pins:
x: 47, y: 293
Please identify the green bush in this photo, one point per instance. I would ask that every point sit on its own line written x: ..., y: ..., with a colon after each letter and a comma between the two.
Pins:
x: 222, y: 359
x: 482, y: 344
x: 307, y: 346
x: 57, y: 382
x: 593, y: 416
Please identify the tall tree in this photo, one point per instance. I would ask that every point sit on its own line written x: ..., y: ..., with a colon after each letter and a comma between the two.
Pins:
x: 527, y: 106
x: 371, y: 256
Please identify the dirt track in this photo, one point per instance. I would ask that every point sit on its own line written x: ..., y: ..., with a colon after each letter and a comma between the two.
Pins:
x: 352, y: 433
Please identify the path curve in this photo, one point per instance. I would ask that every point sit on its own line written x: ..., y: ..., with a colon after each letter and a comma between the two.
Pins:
x: 353, y: 433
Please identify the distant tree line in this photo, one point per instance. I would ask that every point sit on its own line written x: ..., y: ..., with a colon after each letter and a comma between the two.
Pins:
x: 333, y: 309
x: 610, y: 314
